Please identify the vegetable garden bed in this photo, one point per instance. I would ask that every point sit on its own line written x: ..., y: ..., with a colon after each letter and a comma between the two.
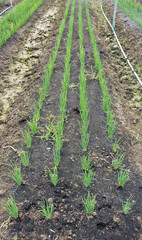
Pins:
x: 76, y: 77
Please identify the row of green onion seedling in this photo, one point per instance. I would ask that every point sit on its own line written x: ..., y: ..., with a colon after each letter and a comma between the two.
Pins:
x: 89, y: 201
x: 15, y: 172
x: 63, y: 101
x: 124, y: 174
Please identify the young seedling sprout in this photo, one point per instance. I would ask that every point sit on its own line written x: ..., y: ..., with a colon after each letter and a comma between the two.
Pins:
x: 89, y: 203
x: 127, y: 206
x: 25, y: 156
x: 33, y: 126
x: 11, y: 207
x: 27, y: 137
x: 118, y: 159
x: 115, y: 145
x: 85, y: 162
x: 15, y: 173
x: 54, y: 176
x: 123, y: 176
x: 47, y: 208
x: 87, y: 177
x: 57, y: 157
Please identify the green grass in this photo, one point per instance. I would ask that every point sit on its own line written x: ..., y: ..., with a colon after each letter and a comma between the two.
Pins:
x: 2, y: 1
x: 89, y: 203
x: 132, y: 9
x: 46, y: 208
x: 14, y: 19
x: 11, y: 207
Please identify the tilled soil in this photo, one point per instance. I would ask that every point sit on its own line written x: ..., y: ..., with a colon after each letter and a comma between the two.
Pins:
x: 70, y: 221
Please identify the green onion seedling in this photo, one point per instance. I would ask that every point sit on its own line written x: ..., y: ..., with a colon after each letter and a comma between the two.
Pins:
x: 123, y: 176
x: 89, y: 203
x: 11, y: 207
x: 46, y: 208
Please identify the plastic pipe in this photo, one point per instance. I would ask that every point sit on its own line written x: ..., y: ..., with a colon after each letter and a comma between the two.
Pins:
x: 120, y: 46
x: 6, y: 8
x: 114, y: 14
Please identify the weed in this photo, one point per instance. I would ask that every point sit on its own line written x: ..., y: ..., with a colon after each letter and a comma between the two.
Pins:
x: 27, y: 138
x: 46, y: 209
x: 85, y: 162
x: 11, y: 207
x: 87, y: 177
x: 16, y: 173
x: 25, y: 156
x: 54, y: 176
x: 89, y: 203
x: 127, y: 206
x: 48, y: 132
x: 123, y: 176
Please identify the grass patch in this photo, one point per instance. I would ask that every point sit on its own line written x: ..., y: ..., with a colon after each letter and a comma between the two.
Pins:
x: 132, y: 9
x: 14, y: 19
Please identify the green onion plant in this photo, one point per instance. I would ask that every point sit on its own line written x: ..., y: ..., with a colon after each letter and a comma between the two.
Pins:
x: 86, y: 162
x: 123, y: 176
x: 46, y: 209
x: 54, y: 176
x: 87, y: 177
x: 25, y: 157
x: 89, y: 203
x: 56, y: 155
x: 127, y: 206
x: 15, y: 173
x: 11, y: 207
x: 118, y: 159
x: 27, y: 137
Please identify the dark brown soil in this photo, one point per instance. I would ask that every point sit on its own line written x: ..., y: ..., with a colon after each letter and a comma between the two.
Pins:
x: 70, y: 220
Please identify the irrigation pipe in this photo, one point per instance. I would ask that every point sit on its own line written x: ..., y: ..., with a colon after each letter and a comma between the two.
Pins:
x: 120, y: 46
x: 6, y: 8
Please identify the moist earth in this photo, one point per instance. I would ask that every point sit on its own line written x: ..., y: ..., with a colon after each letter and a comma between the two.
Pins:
x: 69, y: 220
